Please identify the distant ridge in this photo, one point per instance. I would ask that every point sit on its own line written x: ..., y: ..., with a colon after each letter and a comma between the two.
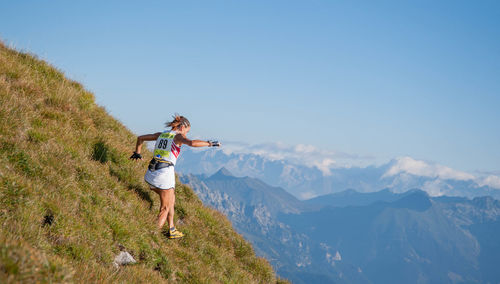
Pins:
x: 351, y: 197
x: 223, y: 173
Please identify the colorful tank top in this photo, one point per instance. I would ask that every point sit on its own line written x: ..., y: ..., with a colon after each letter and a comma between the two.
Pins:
x: 165, y: 148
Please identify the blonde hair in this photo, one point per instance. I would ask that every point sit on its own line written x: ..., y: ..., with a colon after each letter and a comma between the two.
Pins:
x: 178, y: 121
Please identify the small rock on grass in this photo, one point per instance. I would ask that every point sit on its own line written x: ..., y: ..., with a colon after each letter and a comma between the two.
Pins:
x: 123, y: 258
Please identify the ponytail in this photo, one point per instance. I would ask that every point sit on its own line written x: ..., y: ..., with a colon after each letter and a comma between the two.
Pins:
x: 178, y: 121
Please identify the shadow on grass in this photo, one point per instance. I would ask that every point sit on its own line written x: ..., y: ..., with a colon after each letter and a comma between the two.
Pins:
x: 124, y: 175
x: 144, y: 195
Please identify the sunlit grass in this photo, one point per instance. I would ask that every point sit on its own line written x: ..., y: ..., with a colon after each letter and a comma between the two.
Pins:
x: 70, y: 199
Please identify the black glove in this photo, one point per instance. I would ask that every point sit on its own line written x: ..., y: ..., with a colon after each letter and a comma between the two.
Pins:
x: 213, y: 143
x: 136, y: 156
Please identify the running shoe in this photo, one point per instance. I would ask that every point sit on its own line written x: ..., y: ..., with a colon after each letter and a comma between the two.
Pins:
x: 174, y: 234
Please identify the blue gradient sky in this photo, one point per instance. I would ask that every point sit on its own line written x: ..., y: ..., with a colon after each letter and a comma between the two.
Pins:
x: 386, y: 79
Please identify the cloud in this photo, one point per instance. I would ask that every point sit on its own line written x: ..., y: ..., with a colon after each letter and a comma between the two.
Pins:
x: 302, y: 154
x: 307, y: 195
x: 436, y: 187
x: 491, y: 181
x: 421, y: 168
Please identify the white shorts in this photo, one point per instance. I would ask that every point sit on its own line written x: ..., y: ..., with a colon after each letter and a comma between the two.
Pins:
x: 162, y: 178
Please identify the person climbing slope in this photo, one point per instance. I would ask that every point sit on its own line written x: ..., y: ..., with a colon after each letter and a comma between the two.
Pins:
x: 160, y: 174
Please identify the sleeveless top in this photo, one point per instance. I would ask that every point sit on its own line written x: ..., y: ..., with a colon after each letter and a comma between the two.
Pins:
x: 165, y: 148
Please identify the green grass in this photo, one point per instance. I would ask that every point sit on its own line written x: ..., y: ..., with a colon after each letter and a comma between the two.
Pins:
x: 70, y: 199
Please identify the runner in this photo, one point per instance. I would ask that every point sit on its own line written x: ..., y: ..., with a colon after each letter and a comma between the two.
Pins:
x: 160, y: 174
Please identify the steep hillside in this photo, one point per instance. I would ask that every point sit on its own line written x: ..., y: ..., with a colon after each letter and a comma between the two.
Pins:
x: 70, y: 199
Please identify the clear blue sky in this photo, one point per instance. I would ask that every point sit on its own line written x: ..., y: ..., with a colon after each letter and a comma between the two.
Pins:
x: 392, y: 78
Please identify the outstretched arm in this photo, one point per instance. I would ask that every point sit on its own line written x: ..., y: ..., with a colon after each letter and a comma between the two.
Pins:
x: 142, y: 138
x: 181, y: 139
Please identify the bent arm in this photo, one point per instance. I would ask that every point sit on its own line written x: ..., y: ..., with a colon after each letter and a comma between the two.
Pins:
x: 181, y: 139
x: 142, y: 138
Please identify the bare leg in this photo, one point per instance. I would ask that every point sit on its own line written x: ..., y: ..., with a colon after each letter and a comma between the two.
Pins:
x: 171, y: 210
x: 164, y: 208
x: 164, y: 205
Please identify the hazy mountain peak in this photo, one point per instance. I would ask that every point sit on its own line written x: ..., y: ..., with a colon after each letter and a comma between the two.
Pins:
x: 414, y: 199
x: 222, y: 173
x: 416, y: 192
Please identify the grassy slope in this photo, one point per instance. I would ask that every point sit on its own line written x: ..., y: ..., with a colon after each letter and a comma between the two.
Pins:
x: 64, y: 159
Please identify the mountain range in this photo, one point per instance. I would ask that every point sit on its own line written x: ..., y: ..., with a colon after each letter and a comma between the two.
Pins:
x: 305, y: 180
x: 355, y: 237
